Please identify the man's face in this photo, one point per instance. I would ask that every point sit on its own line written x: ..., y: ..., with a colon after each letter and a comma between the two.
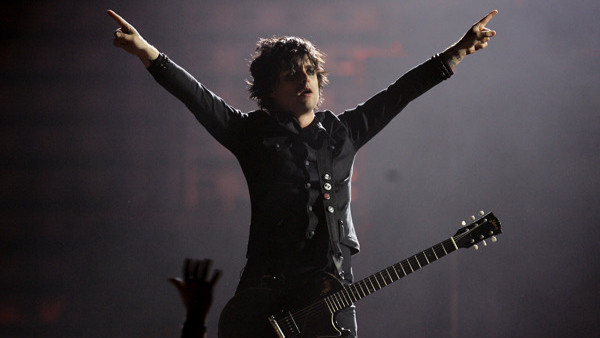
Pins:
x: 297, y: 92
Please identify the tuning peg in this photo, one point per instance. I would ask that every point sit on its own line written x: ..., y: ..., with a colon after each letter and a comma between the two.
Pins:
x: 463, y: 223
x: 472, y: 218
x: 494, y: 239
x: 481, y: 213
x: 475, y: 247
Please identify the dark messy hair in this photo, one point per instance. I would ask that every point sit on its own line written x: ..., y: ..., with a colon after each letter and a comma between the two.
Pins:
x: 274, y: 55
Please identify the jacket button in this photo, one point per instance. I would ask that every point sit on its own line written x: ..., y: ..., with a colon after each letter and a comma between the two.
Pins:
x: 326, y: 196
x: 327, y: 186
x: 330, y: 209
x: 309, y: 208
x: 327, y: 177
x: 310, y: 234
x: 307, y: 185
x: 306, y: 163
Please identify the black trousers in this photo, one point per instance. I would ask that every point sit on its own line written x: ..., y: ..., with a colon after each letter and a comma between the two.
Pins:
x: 262, y: 275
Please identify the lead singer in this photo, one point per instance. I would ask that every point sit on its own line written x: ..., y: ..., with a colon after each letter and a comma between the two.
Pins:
x: 297, y: 162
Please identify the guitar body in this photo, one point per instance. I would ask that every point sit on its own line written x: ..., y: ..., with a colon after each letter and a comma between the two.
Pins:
x: 247, y: 313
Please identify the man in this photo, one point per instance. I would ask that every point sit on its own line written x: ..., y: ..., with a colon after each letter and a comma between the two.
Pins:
x: 297, y: 161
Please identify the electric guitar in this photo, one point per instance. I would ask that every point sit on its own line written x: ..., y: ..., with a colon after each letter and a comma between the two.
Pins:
x: 271, y: 313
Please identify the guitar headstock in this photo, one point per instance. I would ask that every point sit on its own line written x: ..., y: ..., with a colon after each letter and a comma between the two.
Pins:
x: 478, y: 231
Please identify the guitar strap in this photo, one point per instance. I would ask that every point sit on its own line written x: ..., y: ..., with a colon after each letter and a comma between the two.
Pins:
x: 325, y: 169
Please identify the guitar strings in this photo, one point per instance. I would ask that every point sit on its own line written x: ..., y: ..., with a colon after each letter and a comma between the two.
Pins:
x: 345, y: 296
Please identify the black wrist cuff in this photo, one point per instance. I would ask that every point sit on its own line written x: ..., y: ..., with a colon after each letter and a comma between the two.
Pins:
x: 159, y: 64
x: 442, y: 66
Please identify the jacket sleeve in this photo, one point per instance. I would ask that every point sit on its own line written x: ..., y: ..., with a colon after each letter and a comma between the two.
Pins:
x: 219, y: 119
x: 368, y: 118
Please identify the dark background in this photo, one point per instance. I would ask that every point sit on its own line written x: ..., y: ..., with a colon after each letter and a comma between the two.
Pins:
x: 107, y: 183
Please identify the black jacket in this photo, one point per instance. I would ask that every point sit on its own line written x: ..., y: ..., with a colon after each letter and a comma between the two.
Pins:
x: 278, y: 158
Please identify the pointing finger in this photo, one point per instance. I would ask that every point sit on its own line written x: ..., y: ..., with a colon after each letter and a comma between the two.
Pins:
x: 125, y: 26
x: 487, y: 18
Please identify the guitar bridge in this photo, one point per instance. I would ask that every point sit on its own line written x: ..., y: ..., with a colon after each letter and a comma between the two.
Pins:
x: 276, y: 327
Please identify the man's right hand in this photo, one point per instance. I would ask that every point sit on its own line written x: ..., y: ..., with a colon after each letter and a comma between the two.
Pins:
x: 127, y: 37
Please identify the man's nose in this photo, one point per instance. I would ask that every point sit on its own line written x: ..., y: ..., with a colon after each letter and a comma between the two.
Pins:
x: 303, y: 76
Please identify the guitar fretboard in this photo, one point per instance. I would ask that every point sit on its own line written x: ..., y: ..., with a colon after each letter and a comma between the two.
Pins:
x: 358, y: 290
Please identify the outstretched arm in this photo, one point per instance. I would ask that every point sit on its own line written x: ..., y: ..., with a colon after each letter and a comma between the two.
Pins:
x: 210, y: 110
x: 476, y: 38
x: 370, y: 117
x: 128, y: 38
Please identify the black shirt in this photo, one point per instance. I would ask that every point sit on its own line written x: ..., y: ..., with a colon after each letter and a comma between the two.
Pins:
x: 288, y: 230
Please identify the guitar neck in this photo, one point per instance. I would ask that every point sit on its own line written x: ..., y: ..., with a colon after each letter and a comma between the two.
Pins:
x: 358, y: 290
x: 305, y: 322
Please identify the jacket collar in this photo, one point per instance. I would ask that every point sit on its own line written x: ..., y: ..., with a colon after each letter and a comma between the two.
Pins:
x: 290, y: 123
